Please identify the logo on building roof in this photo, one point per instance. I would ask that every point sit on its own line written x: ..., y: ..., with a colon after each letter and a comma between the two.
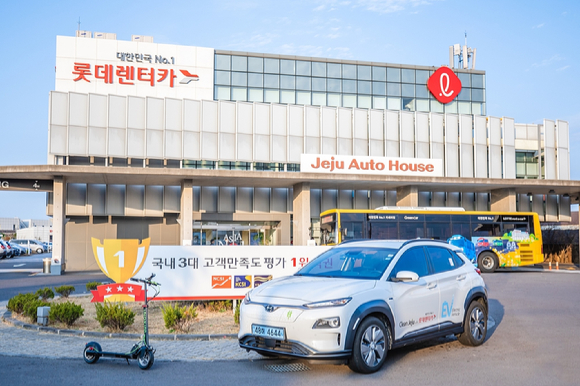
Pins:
x: 444, y: 85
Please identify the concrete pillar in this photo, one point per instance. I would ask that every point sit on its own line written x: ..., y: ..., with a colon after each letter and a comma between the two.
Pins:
x: 301, y: 213
x: 58, y: 263
x: 503, y: 200
x: 186, y: 212
x: 407, y: 196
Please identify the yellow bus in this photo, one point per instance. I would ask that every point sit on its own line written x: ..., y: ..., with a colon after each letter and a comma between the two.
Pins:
x: 490, y: 239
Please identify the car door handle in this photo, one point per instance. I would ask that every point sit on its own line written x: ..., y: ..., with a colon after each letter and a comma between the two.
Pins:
x: 431, y: 285
x: 460, y: 277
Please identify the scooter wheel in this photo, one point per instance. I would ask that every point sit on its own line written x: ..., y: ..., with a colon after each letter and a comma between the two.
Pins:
x: 146, y: 359
x: 89, y: 356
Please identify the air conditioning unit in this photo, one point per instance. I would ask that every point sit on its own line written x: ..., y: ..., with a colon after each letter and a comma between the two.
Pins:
x: 84, y: 34
x: 105, y: 35
x: 142, y: 38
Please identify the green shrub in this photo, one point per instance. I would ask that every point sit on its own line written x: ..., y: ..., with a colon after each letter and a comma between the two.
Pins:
x: 114, y: 316
x: 64, y: 290
x: 178, y: 318
x: 66, y: 313
x: 45, y: 293
x: 92, y: 285
x: 219, y: 305
x: 30, y: 309
x: 237, y: 312
x: 18, y: 302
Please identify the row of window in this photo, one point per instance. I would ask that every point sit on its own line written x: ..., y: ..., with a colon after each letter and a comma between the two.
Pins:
x: 334, y: 70
x: 346, y: 100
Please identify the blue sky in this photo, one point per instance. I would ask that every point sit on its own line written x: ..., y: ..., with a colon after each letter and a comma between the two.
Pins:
x: 529, y: 50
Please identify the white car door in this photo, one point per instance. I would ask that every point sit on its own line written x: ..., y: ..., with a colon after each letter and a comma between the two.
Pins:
x: 414, y: 304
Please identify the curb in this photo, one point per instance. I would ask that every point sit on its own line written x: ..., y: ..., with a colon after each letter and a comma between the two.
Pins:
x: 7, y: 318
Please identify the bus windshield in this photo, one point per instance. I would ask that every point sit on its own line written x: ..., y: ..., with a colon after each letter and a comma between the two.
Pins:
x: 328, y: 230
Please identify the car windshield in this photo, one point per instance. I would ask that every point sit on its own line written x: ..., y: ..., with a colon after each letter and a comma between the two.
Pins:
x: 351, y: 263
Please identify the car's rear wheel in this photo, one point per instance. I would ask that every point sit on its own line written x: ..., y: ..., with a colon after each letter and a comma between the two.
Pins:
x: 370, y: 346
x: 487, y: 262
x: 474, y: 325
x: 39, y: 250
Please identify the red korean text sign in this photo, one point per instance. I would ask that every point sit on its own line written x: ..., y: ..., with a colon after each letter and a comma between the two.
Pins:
x: 444, y: 85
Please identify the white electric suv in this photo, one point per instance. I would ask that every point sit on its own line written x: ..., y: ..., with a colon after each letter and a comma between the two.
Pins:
x: 360, y: 299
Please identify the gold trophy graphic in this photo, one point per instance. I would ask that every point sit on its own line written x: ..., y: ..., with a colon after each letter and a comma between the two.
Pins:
x: 120, y: 260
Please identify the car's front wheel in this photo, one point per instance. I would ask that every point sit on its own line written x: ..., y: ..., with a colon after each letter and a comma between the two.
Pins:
x: 474, y: 325
x: 487, y: 262
x: 370, y: 346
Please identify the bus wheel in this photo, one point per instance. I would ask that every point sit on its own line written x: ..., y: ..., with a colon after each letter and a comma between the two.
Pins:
x: 487, y: 262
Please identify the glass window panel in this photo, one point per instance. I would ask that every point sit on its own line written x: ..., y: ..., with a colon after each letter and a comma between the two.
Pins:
x: 464, y: 108
x: 364, y: 101
x: 303, y: 98
x: 347, y: 86
x: 334, y: 100
x: 222, y: 93
x: 255, y: 80
x: 465, y: 79
x: 477, y: 94
x: 364, y: 72
x: 271, y: 81
x: 476, y: 108
x: 483, y: 109
x: 287, y: 81
x: 334, y: 85
x: 380, y: 73
x: 222, y: 77
x: 421, y: 91
x: 379, y: 103
x: 451, y: 107
x: 364, y: 87
x: 302, y: 83
x: 409, y: 104
x: 465, y: 94
x: 477, y: 80
x: 349, y: 71
x: 319, y: 84
x: 239, y: 79
x: 287, y: 96
x: 256, y: 95
x: 272, y: 66
x: 436, y: 106
x: 239, y: 94
x: 422, y: 104
x: 408, y: 90
x: 394, y: 103
x: 319, y: 99
x: 412, y: 260
x: 239, y: 63
x: 222, y: 62
x: 393, y: 89
x: 421, y: 76
x: 302, y: 67
x: 379, y: 88
x: 272, y: 96
x: 287, y: 67
x: 349, y: 100
x: 256, y: 64
x: 319, y: 69
x: 393, y: 74
x: 333, y: 70
x: 408, y: 75
x: 521, y: 169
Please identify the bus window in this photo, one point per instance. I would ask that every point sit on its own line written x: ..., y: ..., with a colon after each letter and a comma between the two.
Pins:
x: 383, y: 230
x: 352, y: 230
x: 411, y: 230
x: 463, y: 229
x: 489, y: 229
x: 438, y: 230
x: 519, y: 227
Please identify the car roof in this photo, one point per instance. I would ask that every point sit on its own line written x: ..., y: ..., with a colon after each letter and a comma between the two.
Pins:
x: 395, y: 244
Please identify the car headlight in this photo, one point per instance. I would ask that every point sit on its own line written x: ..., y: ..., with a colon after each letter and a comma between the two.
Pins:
x: 329, y: 303
x: 333, y: 322
x: 247, y: 299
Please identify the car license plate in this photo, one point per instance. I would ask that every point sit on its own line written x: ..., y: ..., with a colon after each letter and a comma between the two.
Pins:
x: 268, y: 332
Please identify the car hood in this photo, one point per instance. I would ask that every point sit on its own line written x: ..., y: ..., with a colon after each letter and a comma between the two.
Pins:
x: 298, y: 290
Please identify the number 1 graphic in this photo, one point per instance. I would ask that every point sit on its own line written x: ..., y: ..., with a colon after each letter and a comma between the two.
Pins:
x: 121, y: 255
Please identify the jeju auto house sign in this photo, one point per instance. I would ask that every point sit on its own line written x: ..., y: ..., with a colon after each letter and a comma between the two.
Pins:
x: 444, y: 85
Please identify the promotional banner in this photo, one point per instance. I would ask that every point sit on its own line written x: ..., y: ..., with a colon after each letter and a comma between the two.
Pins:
x: 194, y: 272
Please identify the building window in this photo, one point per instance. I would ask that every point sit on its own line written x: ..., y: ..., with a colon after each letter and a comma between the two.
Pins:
x: 268, y: 167
x: 527, y: 165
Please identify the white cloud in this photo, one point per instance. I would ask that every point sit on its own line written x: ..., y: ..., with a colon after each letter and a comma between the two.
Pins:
x: 563, y: 68
x: 379, y: 6
x: 538, y: 26
x: 546, y: 62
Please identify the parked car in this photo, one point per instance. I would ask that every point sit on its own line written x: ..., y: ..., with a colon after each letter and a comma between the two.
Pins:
x: 34, y: 245
x: 2, y: 251
x: 360, y: 299
x: 17, y: 248
x: 9, y: 253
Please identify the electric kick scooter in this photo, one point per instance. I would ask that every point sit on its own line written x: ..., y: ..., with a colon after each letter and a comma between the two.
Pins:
x: 141, y: 350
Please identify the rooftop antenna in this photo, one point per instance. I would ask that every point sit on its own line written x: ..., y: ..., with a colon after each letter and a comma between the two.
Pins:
x: 464, y: 54
x: 79, y: 23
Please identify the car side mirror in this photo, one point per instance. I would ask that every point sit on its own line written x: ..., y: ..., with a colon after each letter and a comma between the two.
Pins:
x: 406, y: 276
